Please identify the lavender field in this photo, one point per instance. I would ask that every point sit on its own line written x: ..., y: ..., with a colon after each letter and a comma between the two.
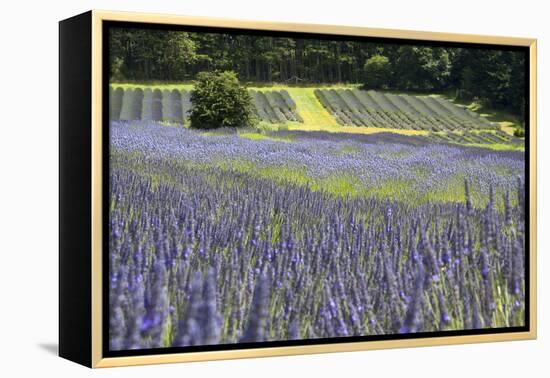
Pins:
x: 220, y: 237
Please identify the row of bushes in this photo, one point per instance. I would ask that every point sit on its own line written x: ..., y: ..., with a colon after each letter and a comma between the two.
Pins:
x: 377, y: 109
x: 218, y: 100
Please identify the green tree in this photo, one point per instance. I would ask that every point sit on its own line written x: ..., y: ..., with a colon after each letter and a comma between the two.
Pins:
x: 421, y: 68
x: 516, y: 91
x: 220, y: 101
x: 377, y: 72
x: 495, y: 78
x: 137, y: 54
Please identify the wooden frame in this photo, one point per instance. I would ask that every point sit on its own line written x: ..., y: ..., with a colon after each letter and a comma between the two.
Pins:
x: 82, y: 172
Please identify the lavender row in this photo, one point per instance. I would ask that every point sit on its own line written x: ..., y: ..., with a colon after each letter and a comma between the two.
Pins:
x: 173, y: 106
x: 379, y: 109
x: 413, y: 167
x: 203, y: 255
x: 136, y: 104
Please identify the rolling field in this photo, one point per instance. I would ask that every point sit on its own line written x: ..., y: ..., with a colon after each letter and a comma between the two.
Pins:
x: 293, y: 187
x: 370, y: 108
x: 232, y: 236
x: 332, y: 109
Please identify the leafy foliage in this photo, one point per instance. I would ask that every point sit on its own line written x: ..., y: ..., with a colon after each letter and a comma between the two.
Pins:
x: 419, y: 68
x: 218, y: 100
x: 377, y: 72
x: 519, y: 132
x: 495, y: 77
x: 150, y: 54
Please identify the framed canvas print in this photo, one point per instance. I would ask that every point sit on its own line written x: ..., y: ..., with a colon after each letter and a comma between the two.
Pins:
x: 234, y: 189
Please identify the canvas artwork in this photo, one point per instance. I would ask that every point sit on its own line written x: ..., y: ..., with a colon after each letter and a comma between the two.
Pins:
x: 270, y: 188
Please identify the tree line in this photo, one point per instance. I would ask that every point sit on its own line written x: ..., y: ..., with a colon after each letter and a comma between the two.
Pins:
x: 494, y: 77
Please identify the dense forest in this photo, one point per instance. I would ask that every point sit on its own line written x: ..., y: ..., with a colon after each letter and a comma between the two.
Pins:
x: 494, y: 77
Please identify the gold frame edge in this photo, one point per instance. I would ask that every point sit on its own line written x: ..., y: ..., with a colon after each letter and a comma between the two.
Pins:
x: 97, y: 192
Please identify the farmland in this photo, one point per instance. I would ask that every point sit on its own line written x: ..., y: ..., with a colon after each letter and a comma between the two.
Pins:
x: 285, y: 187
x: 217, y: 238
x: 333, y: 109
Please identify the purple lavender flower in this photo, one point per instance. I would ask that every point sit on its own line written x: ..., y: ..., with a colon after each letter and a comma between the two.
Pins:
x: 256, y: 328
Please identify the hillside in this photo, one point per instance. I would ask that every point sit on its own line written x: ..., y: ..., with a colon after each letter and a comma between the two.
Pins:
x: 327, y: 108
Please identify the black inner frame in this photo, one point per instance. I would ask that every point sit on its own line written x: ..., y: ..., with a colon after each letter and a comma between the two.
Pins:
x: 106, y: 25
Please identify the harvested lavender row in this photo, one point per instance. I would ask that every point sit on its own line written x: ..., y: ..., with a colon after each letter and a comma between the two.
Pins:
x: 115, y: 103
x: 399, y: 111
x: 173, y: 106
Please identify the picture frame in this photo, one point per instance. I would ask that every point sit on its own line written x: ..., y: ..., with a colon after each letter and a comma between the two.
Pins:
x: 84, y: 208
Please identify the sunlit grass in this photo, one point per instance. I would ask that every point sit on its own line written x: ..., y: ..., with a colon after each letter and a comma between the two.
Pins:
x: 349, y: 149
x: 317, y: 118
x: 338, y: 184
x: 507, y: 121
x: 266, y: 136
x: 153, y: 85
x: 495, y: 146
